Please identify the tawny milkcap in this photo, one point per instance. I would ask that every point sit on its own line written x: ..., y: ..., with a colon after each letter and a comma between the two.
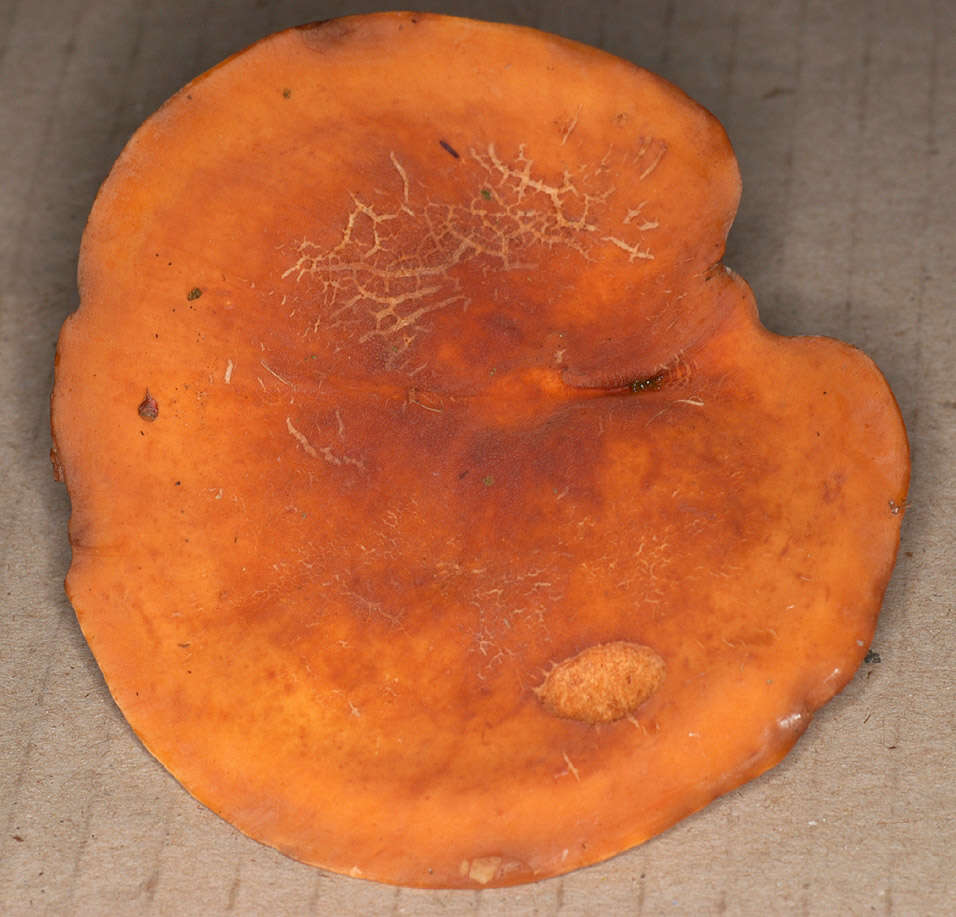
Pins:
x: 471, y: 528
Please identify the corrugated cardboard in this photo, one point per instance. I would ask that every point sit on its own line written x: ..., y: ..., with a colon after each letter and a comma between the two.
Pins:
x: 842, y: 117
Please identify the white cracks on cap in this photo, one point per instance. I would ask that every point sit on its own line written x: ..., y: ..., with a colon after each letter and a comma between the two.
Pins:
x: 274, y: 374
x: 300, y: 438
x: 395, y: 263
x: 570, y: 768
x: 326, y: 452
x: 654, y: 149
x: 633, y: 251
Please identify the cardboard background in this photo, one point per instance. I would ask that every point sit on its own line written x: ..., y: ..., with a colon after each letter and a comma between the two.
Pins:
x: 842, y: 117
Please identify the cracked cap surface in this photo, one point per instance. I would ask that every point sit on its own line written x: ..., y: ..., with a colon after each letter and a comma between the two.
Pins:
x: 446, y: 388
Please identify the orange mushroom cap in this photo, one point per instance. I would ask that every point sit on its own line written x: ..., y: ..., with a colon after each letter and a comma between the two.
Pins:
x: 442, y: 513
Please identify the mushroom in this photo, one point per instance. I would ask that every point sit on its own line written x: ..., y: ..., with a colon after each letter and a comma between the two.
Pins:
x: 441, y: 512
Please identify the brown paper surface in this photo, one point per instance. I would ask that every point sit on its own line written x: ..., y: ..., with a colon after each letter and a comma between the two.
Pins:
x: 842, y: 116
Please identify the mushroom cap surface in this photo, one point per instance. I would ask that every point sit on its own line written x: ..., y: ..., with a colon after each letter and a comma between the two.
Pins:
x: 441, y: 512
